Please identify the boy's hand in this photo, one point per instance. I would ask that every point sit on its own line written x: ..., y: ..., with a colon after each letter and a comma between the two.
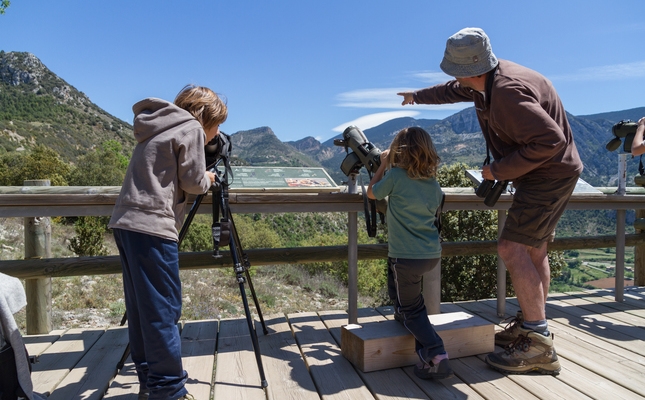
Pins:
x: 211, y: 176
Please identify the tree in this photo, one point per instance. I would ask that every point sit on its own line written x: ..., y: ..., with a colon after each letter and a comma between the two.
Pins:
x: 473, y: 277
x: 104, y: 166
x: 4, y: 4
x: 89, y: 237
x: 40, y: 163
x: 467, y: 277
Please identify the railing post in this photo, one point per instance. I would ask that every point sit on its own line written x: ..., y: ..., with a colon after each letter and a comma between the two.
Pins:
x: 352, y: 256
x: 639, y: 256
x: 619, y: 285
x: 38, y: 233
x: 620, y: 255
x: 501, y: 268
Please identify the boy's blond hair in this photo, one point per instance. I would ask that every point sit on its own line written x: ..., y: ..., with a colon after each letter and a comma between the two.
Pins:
x: 412, y: 150
x: 204, y: 104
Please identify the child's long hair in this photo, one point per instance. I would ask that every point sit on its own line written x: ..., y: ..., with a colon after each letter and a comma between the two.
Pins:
x: 203, y: 104
x: 412, y: 150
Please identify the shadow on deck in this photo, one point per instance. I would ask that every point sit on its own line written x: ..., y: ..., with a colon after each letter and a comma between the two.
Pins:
x: 600, y: 343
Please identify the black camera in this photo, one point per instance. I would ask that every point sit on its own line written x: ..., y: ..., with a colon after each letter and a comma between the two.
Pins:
x: 625, y: 129
x: 490, y: 191
x: 219, y: 147
x: 363, y: 152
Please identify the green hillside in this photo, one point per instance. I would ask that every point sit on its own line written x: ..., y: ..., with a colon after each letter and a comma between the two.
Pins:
x: 38, y: 107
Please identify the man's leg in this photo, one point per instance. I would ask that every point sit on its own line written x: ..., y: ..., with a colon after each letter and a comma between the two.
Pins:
x: 530, y: 274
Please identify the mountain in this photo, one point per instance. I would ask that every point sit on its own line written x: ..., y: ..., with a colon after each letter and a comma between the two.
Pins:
x: 260, y: 146
x: 38, y: 107
x: 458, y: 138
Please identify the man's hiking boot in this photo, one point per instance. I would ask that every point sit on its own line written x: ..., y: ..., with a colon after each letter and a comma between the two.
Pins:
x: 531, y: 351
x: 510, y: 332
x: 437, y: 368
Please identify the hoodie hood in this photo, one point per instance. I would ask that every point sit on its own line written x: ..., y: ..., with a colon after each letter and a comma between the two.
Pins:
x: 152, y: 116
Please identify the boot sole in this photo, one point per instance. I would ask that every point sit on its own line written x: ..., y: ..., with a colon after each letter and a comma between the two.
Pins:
x: 545, y: 369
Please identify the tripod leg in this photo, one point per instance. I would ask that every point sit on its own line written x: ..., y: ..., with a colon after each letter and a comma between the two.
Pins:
x: 236, y: 239
x: 255, y: 300
x: 254, y: 336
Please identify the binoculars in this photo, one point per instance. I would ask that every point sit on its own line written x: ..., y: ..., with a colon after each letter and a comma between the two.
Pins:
x: 363, y: 152
x: 490, y: 191
x: 624, y: 129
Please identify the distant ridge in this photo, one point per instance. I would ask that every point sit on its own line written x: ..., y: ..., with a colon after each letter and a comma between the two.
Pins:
x: 634, y: 114
x: 38, y: 107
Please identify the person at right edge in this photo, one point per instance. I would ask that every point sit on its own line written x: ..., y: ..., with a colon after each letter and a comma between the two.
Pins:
x: 528, y: 135
x: 638, y: 146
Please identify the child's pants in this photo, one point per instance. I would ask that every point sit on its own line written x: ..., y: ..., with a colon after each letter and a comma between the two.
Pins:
x: 404, y: 287
x: 153, y: 304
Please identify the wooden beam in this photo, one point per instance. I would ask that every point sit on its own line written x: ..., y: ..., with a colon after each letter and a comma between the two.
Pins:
x: 76, y: 266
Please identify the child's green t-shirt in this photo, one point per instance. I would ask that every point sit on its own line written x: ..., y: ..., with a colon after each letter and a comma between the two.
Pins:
x: 411, y: 209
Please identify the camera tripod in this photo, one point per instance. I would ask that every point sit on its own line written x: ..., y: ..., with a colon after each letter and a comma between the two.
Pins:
x: 225, y: 234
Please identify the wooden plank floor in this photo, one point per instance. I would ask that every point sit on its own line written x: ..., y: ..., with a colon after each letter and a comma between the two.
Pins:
x: 601, y: 345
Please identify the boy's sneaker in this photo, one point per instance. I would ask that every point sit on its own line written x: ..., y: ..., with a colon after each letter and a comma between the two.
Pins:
x: 511, y: 330
x: 186, y: 397
x: 531, y: 351
x: 144, y: 394
x: 430, y: 370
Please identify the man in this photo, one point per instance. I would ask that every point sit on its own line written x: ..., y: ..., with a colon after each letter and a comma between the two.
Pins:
x: 530, y: 140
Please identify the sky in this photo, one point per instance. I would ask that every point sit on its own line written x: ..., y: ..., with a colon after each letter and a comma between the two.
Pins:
x: 312, y: 68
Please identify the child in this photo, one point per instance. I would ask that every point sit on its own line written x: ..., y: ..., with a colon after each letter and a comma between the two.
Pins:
x: 414, y: 247
x: 167, y: 163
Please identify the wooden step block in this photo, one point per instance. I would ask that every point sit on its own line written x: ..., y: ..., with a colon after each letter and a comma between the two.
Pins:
x: 374, y: 346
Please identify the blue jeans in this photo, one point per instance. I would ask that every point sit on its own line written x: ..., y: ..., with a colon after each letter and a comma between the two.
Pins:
x: 404, y: 287
x: 153, y: 304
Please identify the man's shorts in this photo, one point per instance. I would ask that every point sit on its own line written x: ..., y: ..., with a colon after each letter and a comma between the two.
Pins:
x: 538, y: 204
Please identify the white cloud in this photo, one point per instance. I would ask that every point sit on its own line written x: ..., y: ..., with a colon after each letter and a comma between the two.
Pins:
x: 371, y: 98
x: 432, y: 77
x: 372, y: 120
x: 385, y: 98
x: 606, y: 73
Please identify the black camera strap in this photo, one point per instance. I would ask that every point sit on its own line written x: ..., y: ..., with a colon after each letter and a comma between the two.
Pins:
x: 437, y: 216
x: 641, y: 170
x: 369, y: 206
x: 221, y: 227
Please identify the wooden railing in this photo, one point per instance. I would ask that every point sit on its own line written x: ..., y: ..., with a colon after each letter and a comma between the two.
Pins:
x: 45, y: 201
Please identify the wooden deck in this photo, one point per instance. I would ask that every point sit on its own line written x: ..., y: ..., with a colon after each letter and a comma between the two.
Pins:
x: 601, y: 345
